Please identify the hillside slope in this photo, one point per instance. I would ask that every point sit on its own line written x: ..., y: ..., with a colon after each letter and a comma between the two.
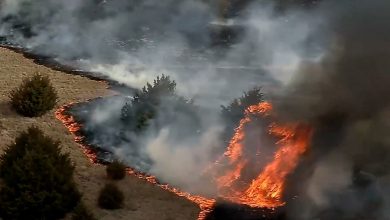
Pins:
x: 143, y: 200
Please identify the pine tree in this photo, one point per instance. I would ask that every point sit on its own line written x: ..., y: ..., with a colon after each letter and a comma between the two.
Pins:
x: 37, y: 179
x: 34, y: 97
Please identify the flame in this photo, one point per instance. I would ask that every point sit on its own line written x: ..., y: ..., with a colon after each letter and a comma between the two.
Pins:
x: 205, y: 204
x: 74, y: 128
x: 234, y: 151
x: 266, y: 190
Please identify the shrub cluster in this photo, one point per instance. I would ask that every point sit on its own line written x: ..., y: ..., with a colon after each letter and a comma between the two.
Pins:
x: 111, y: 197
x: 37, y: 179
x: 34, y: 97
x: 116, y: 170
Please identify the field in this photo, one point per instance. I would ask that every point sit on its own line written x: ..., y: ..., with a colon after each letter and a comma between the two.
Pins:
x: 144, y: 201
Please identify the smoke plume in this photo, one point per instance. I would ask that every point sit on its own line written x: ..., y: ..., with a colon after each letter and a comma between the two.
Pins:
x: 344, y: 94
x: 325, y: 65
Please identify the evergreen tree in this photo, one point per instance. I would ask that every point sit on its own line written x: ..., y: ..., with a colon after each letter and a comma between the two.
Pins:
x: 236, y: 109
x: 34, y: 97
x: 143, y: 106
x: 37, y: 179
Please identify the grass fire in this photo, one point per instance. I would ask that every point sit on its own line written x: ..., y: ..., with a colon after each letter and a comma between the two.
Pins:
x: 195, y: 109
x: 265, y: 191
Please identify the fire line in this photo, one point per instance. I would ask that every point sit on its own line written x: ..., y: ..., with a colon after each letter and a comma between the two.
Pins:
x: 265, y: 191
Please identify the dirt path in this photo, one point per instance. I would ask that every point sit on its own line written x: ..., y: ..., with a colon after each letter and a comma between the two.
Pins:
x: 143, y: 200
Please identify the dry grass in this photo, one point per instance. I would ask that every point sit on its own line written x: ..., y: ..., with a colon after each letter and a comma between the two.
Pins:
x: 143, y: 200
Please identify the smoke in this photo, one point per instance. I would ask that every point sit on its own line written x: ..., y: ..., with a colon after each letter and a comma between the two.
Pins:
x: 344, y: 95
x: 134, y: 41
x: 192, y: 157
x: 326, y: 66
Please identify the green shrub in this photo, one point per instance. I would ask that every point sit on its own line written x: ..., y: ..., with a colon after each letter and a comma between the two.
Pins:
x: 37, y: 179
x: 34, y: 97
x: 116, y: 170
x: 110, y: 197
x: 82, y: 213
x: 143, y: 106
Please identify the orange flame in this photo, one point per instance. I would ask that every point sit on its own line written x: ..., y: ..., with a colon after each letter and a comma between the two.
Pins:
x: 74, y: 128
x: 267, y: 189
x: 234, y: 151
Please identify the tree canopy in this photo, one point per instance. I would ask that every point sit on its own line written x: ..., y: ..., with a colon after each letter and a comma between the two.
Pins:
x: 37, y: 179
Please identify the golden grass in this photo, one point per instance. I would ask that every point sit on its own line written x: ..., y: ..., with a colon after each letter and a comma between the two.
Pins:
x: 143, y: 200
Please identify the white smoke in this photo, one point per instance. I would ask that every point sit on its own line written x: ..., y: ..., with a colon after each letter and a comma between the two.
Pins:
x: 133, y: 41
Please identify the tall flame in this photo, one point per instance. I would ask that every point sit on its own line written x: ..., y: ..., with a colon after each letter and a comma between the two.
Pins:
x: 234, y: 151
x: 266, y: 190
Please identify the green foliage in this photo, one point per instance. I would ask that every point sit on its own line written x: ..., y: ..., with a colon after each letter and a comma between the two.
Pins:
x: 162, y: 86
x: 235, y: 111
x: 37, y: 179
x: 143, y: 106
x: 110, y: 197
x: 34, y: 97
x: 116, y: 170
x: 82, y: 213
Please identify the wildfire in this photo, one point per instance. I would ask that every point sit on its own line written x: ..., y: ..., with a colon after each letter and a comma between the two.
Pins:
x: 234, y: 152
x: 74, y: 127
x: 267, y: 189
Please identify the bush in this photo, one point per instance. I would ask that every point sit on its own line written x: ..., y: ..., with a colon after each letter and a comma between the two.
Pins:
x: 143, y: 105
x: 153, y: 99
x: 110, y: 197
x: 37, y: 179
x: 116, y: 170
x: 34, y: 97
x: 82, y: 213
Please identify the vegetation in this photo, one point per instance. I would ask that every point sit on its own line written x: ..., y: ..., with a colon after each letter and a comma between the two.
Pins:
x: 116, y: 170
x: 34, y: 97
x: 37, y: 179
x: 82, y: 213
x: 234, y: 112
x: 110, y: 197
x: 236, y: 109
x: 145, y: 103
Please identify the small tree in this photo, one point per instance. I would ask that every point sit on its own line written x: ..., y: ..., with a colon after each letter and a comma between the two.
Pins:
x: 110, y: 197
x: 116, y: 170
x: 234, y: 112
x: 162, y: 86
x: 34, y: 97
x: 82, y: 213
x: 143, y: 105
x: 37, y: 179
